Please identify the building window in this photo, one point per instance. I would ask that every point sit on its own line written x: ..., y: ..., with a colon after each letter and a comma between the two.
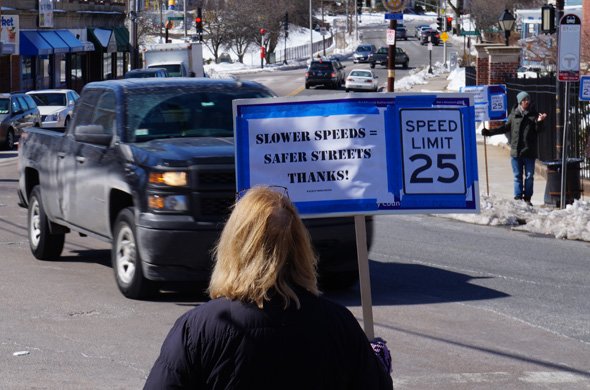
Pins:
x: 120, y: 64
x: 107, y: 67
x: 27, y: 68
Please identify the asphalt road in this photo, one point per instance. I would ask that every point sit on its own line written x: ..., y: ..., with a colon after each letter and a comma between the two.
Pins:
x: 461, y: 306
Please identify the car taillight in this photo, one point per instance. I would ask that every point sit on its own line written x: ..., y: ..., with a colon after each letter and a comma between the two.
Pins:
x: 333, y: 74
x: 368, y: 81
x: 350, y: 79
x: 306, y: 74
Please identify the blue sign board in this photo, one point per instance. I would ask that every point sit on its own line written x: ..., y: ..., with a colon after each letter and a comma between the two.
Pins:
x: 394, y: 16
x: 585, y: 88
x: 375, y: 154
x: 491, y: 102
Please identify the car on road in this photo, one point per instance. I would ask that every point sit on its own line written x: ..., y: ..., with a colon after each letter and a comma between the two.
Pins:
x: 361, y: 80
x: 17, y: 111
x: 362, y: 53
x: 381, y: 55
x: 147, y: 72
x: 55, y: 105
x: 401, y: 32
x: 328, y: 72
x: 432, y: 36
x: 419, y: 28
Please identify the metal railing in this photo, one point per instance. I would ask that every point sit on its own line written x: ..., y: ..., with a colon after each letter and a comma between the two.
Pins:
x: 299, y: 52
x: 543, y: 93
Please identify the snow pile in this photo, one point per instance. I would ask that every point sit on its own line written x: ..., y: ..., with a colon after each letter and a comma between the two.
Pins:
x: 571, y: 223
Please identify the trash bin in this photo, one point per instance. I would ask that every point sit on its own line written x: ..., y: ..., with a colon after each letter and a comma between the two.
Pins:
x: 573, y: 186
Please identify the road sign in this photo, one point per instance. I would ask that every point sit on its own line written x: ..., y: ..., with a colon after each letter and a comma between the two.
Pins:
x: 444, y: 36
x: 430, y: 46
x: 568, y: 63
x: 394, y: 5
x: 175, y: 18
x: 490, y: 102
x: 390, y: 37
x: 585, y: 88
x: 394, y: 16
x: 376, y: 154
x: 469, y: 32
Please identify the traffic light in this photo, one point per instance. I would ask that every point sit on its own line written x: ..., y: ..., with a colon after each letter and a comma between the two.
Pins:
x: 359, y: 6
x: 199, y: 23
x: 449, y: 25
x: 440, y: 23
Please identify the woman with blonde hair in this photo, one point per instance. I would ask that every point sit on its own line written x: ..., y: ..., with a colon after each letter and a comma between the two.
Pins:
x: 266, y: 326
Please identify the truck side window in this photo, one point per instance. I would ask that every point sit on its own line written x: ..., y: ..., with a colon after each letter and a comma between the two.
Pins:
x: 85, y: 109
x: 105, y: 113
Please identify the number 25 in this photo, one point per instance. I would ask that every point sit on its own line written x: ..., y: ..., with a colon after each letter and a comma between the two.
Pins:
x: 440, y: 163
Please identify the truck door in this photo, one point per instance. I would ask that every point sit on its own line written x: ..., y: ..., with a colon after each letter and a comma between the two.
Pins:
x: 66, y: 162
x: 94, y: 165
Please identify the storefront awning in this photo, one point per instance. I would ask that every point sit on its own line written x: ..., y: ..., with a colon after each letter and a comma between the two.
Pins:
x: 32, y: 44
x: 103, y: 39
x: 69, y: 38
x: 122, y: 37
x: 58, y: 44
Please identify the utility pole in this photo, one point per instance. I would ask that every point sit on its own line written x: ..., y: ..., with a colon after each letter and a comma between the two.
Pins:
x: 558, y: 89
x: 391, y: 58
x: 184, y: 22
x: 160, y: 2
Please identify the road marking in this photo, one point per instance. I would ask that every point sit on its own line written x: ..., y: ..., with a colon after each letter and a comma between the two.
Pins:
x: 296, y: 91
x: 501, y: 377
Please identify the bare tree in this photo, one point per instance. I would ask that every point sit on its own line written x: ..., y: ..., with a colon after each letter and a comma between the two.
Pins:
x: 215, y: 27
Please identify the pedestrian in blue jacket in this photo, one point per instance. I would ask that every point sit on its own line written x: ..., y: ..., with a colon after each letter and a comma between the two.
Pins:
x: 266, y: 325
x: 521, y: 129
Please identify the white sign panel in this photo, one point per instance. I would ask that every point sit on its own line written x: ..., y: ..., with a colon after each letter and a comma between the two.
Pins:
x: 45, y: 13
x: 569, y: 48
x: 380, y: 153
x: 9, y: 34
x: 390, y: 36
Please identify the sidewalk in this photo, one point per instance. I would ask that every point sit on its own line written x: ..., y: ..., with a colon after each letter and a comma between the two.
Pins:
x: 498, y: 175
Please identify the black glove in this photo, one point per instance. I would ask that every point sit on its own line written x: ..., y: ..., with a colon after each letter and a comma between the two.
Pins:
x: 486, y: 132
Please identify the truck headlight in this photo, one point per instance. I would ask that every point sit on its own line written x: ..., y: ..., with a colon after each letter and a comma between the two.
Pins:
x: 175, y: 179
x: 168, y: 202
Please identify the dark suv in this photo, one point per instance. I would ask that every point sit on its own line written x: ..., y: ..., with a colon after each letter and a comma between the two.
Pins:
x: 328, y: 72
x: 17, y: 111
x: 381, y: 55
x: 430, y: 36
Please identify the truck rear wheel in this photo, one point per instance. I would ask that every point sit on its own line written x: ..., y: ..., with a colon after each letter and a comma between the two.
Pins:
x: 10, y: 140
x: 43, y: 244
x: 126, y: 259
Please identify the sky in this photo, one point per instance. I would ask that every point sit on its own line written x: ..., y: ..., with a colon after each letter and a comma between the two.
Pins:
x: 571, y: 223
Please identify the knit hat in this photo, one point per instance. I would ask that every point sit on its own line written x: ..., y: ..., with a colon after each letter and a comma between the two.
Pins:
x: 521, y: 96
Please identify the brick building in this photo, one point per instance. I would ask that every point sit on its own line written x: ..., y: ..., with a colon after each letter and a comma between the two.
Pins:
x: 61, y: 44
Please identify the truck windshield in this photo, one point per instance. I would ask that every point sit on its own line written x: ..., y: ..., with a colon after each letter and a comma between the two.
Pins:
x: 155, y: 114
x: 174, y: 70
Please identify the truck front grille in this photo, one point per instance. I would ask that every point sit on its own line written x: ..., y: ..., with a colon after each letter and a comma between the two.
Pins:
x: 213, y: 191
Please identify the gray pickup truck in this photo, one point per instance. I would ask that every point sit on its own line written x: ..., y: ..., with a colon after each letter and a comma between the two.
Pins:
x: 148, y: 166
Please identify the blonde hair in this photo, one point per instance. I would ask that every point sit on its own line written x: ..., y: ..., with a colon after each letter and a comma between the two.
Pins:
x: 263, y: 246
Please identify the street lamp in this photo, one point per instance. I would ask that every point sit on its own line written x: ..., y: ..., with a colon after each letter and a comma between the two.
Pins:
x: 506, y: 23
x: 548, y: 19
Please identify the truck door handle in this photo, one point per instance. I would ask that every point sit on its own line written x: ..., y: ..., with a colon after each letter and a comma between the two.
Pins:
x: 61, y: 155
x: 81, y: 159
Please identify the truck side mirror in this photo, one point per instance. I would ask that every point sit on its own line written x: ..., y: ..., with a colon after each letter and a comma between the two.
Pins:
x: 92, y: 134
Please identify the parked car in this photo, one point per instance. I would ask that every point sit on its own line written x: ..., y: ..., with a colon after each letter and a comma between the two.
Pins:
x: 401, y: 32
x: 380, y: 57
x: 361, y: 80
x: 530, y: 72
x: 362, y: 52
x: 432, y: 36
x: 17, y: 111
x: 419, y: 28
x: 328, y: 72
x: 55, y: 105
x: 147, y: 72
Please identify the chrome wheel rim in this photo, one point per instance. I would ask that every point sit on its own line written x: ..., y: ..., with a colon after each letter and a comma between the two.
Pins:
x: 125, y: 255
x: 35, y: 224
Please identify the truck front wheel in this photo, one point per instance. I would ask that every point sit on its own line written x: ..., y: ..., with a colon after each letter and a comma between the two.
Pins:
x: 44, y: 245
x: 126, y: 259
